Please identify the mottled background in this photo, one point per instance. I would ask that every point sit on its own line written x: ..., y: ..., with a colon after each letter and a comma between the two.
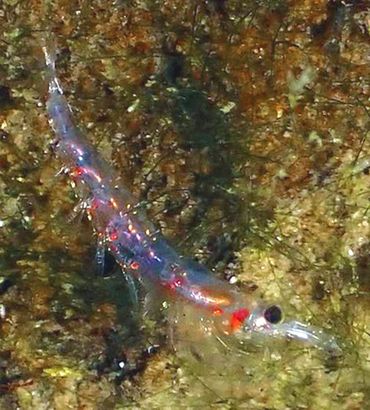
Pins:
x: 243, y: 127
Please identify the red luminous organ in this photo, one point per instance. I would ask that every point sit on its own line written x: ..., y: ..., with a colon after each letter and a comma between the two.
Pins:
x: 237, y: 318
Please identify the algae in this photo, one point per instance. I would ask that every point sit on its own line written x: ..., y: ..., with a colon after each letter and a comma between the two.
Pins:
x: 243, y: 128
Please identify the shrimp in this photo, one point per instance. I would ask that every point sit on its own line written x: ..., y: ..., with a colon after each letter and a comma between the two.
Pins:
x: 144, y: 254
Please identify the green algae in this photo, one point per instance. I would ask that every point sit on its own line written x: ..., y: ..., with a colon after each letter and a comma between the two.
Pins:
x: 244, y: 128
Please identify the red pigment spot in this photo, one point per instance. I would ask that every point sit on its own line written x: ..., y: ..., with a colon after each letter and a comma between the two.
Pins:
x: 217, y: 311
x: 174, y: 284
x: 134, y: 265
x: 78, y: 171
x: 238, y: 317
x: 113, y: 236
x: 94, y: 204
x: 178, y: 282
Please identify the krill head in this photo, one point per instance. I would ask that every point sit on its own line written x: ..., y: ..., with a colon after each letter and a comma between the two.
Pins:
x: 269, y: 321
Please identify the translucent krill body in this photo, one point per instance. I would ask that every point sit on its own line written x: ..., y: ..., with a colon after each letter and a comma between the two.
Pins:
x: 144, y: 254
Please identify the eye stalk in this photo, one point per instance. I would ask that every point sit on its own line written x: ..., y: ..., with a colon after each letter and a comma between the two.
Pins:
x: 273, y: 314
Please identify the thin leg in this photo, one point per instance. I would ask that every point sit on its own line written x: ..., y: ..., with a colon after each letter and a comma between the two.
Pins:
x: 132, y: 288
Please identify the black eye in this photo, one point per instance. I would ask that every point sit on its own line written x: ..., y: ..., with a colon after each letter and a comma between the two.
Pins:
x: 273, y: 314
